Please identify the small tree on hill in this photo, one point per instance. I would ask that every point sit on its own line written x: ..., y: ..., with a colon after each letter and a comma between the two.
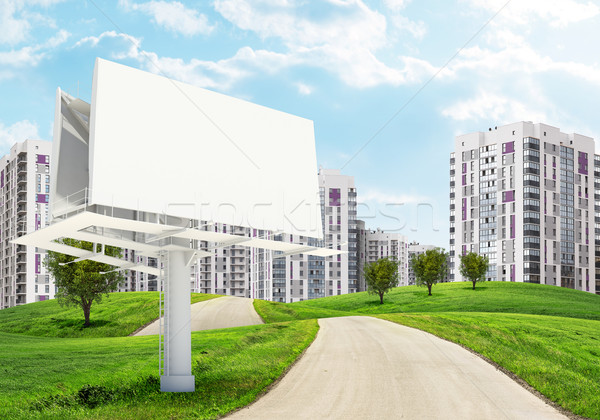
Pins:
x: 473, y: 267
x: 83, y: 282
x: 381, y: 276
x: 430, y: 267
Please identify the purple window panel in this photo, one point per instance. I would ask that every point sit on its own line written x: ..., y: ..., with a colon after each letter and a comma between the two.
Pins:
x: 509, y: 196
x: 224, y: 228
x: 42, y: 159
x: 582, y: 161
x: 553, y: 176
x: 464, y: 168
x: 37, y: 263
x: 508, y: 147
x: 334, y: 197
x: 512, y: 226
x: 464, y: 180
x: 339, y: 258
x: 41, y: 198
x: 464, y: 209
x: 43, y: 297
x: 512, y: 272
x: 464, y: 249
x: 587, y: 282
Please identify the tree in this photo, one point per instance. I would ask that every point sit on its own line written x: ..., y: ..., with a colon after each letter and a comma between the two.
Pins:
x: 430, y: 267
x: 473, y: 267
x: 381, y: 276
x: 83, y: 282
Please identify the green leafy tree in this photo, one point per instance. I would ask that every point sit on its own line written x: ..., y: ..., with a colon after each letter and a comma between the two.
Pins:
x: 381, y: 276
x: 473, y: 267
x: 430, y: 267
x: 83, y: 282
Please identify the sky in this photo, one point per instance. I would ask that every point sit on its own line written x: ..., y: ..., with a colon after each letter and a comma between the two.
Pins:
x: 387, y: 83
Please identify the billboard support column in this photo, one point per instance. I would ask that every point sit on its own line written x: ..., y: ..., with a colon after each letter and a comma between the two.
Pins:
x: 178, y: 339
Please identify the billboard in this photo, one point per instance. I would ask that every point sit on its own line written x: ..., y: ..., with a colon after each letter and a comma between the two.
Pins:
x: 162, y: 146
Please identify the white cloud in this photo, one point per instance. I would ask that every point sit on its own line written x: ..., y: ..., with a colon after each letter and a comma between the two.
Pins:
x: 343, y: 40
x: 32, y: 55
x: 396, y: 5
x: 173, y: 16
x: 221, y: 74
x: 304, y: 89
x: 558, y: 13
x: 16, y: 20
x: 494, y: 107
x: 17, y: 132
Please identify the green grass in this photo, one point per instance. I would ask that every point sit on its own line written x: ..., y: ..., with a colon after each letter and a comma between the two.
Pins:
x: 280, y: 312
x: 558, y: 356
x: 548, y: 336
x: 447, y: 297
x: 42, y: 377
x: 118, y: 315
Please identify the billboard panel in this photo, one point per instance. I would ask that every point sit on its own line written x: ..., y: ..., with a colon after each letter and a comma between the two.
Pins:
x: 163, y: 146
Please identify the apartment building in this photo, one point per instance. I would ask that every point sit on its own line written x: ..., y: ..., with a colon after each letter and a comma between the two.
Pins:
x: 521, y: 194
x: 414, y: 249
x: 379, y: 244
x: 25, y: 188
x: 263, y: 274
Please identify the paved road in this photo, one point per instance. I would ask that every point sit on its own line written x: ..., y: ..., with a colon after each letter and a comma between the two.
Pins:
x: 223, y: 312
x: 366, y: 368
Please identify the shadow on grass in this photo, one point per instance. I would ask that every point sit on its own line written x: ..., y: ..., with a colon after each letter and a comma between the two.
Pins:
x: 77, y: 323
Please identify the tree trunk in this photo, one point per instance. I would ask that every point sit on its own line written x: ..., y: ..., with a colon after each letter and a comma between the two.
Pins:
x: 86, y: 306
x: 380, y: 298
x: 474, y: 281
x: 429, y: 287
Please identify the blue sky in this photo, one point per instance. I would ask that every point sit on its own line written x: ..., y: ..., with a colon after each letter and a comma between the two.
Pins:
x: 349, y: 65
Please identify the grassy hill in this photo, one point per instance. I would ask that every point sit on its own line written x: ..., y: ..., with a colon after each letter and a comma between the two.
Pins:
x: 51, y: 367
x: 118, y: 315
x: 548, y: 336
x: 523, y: 298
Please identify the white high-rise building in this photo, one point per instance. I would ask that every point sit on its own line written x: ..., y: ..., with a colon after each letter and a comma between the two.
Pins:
x: 522, y: 194
x: 379, y: 244
x: 261, y: 274
x: 415, y: 249
x: 25, y: 187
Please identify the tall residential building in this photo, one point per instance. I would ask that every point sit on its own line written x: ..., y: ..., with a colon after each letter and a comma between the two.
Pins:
x: 25, y: 187
x: 597, y: 221
x: 338, y: 203
x: 263, y: 274
x: 379, y: 244
x: 415, y: 248
x: 521, y: 194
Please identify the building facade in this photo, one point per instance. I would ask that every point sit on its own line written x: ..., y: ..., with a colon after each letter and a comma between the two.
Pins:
x: 379, y: 244
x: 269, y: 275
x: 415, y: 248
x: 521, y: 194
x: 25, y: 187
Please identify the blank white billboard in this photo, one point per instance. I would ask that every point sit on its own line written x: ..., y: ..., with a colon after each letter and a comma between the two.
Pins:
x: 162, y: 146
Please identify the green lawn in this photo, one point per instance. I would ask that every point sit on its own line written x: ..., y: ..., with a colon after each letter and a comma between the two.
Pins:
x: 547, y: 335
x: 558, y: 356
x: 44, y: 377
x: 118, y: 315
x: 496, y: 297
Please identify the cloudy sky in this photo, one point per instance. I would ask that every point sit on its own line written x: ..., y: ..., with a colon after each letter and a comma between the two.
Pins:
x: 388, y: 83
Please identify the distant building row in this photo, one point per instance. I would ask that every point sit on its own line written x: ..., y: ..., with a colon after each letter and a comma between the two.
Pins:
x: 235, y: 271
